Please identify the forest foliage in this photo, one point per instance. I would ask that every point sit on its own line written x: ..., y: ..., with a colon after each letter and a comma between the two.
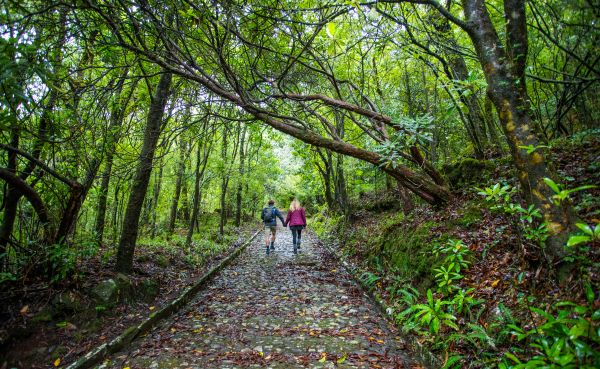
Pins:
x: 128, y: 121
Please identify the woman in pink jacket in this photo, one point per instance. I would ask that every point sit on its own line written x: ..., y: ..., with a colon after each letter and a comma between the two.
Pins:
x: 297, y: 222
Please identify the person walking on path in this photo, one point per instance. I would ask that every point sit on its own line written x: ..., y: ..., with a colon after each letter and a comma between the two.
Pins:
x: 269, y: 216
x: 297, y: 221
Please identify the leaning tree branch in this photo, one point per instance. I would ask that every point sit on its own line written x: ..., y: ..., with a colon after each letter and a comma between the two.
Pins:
x: 342, y: 105
x: 39, y: 163
x: 32, y: 196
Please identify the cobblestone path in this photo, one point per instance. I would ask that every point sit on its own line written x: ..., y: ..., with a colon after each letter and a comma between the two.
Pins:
x: 276, y: 311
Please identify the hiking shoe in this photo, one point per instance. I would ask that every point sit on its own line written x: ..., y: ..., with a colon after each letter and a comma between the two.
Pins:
x: 267, y: 250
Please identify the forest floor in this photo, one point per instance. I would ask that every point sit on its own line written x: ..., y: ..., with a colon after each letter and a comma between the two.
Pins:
x: 501, y: 278
x: 280, y: 311
x: 38, y: 326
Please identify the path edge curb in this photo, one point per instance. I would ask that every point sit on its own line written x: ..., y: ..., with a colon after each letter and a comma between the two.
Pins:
x: 420, y: 351
x: 101, y: 352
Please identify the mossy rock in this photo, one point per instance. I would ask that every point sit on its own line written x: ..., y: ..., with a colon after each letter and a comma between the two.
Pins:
x: 467, y: 172
x: 35, y: 354
x: 58, y: 352
x: 148, y: 289
x: 470, y: 214
x: 62, y: 304
x: 409, y: 250
x: 563, y: 272
x: 162, y: 261
x: 78, y: 336
x: 141, y: 258
x: 106, y: 293
x: 44, y: 316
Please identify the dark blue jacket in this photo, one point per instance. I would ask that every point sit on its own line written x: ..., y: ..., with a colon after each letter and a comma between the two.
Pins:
x: 277, y: 214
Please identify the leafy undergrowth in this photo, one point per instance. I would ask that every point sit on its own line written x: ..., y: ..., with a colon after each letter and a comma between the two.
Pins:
x: 57, y: 324
x: 493, y: 302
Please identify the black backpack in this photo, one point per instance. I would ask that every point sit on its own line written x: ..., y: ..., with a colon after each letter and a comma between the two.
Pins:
x: 268, y: 216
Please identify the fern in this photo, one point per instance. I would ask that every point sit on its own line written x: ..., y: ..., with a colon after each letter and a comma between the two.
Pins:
x: 370, y: 280
x: 451, y: 360
x: 479, y: 332
x: 458, y: 336
x: 478, y: 314
x: 409, y: 298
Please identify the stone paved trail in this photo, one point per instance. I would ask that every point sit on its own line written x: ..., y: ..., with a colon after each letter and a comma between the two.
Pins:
x: 276, y: 311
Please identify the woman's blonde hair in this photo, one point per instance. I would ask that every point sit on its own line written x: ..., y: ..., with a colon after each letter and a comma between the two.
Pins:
x: 295, y: 205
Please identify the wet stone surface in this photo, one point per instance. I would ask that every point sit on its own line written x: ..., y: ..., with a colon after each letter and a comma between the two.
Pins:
x: 276, y: 311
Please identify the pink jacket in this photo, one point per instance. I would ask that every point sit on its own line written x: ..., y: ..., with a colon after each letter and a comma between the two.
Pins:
x: 295, y: 218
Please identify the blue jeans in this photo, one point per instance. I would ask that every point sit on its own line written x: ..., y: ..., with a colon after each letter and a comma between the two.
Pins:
x: 296, y: 232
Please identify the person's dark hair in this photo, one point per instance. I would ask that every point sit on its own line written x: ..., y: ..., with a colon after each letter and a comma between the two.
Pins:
x: 271, y: 202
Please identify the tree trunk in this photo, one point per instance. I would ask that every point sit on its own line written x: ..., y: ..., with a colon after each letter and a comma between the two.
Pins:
x: 115, y: 226
x: 142, y: 175
x: 180, y: 172
x: 224, y: 183
x: 327, y: 184
x: 185, y: 202
x: 460, y: 72
x: 389, y: 184
x: 32, y: 196
x: 157, y: 186
x: 188, y: 240
x: 238, y: 213
x: 11, y: 199
x: 489, y: 119
x: 405, y: 200
x: 409, y: 101
x: 146, y: 211
x: 102, y: 200
x: 504, y: 69
x: 326, y: 174
x: 116, y: 119
x: 344, y: 202
x: 13, y: 195
x: 435, y: 134
x: 69, y: 216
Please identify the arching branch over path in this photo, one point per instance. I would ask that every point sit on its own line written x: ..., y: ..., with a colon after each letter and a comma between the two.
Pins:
x: 181, y: 59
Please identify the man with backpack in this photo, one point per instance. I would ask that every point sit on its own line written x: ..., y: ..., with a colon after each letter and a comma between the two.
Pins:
x: 268, y: 216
